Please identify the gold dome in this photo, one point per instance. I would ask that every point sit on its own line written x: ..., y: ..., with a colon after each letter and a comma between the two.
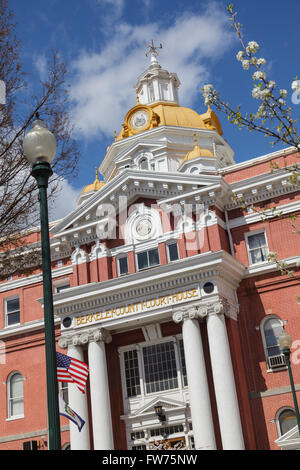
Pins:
x: 170, y: 114
x: 197, y: 152
x: 95, y: 186
x: 211, y: 120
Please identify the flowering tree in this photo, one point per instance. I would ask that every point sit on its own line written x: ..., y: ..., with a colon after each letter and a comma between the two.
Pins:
x: 273, y: 117
x: 18, y: 190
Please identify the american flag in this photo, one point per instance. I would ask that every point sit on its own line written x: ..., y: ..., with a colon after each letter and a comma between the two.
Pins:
x: 70, y: 369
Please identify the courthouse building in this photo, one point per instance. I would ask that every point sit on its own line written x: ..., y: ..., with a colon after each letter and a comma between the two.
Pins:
x: 162, y: 285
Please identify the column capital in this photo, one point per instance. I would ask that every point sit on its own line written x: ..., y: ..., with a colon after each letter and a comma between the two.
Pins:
x: 217, y: 306
x: 222, y: 306
x: 80, y: 339
x: 185, y: 314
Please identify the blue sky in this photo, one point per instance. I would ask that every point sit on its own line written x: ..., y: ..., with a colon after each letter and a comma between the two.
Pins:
x: 103, y: 43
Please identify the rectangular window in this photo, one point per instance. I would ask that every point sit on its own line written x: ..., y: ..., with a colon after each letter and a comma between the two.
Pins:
x: 61, y: 287
x: 12, y: 311
x: 172, y: 251
x: 160, y: 367
x: 122, y: 265
x: 257, y: 248
x: 132, y: 374
x: 148, y: 259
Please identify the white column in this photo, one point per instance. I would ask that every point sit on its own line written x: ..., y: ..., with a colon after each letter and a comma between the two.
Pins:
x: 224, y: 382
x: 203, y: 428
x: 77, y: 400
x: 100, y: 401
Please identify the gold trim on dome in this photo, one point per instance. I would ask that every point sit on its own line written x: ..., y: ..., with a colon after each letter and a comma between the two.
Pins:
x: 197, y: 152
x: 169, y: 114
x: 95, y: 186
x: 211, y: 120
x: 138, y: 119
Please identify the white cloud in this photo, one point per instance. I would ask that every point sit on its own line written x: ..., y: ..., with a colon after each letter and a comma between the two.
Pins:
x: 64, y: 201
x: 103, y: 89
x: 40, y: 63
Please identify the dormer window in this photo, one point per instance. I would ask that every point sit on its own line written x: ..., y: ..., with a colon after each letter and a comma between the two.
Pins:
x: 144, y: 164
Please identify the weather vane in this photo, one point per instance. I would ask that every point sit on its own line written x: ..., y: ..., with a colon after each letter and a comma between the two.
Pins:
x: 153, y: 50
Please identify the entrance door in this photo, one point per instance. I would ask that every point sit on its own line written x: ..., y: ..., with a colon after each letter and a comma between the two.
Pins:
x: 168, y: 444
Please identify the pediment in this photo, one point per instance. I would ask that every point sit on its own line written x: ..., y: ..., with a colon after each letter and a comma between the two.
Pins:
x: 138, y: 147
x: 131, y: 185
x: 290, y: 440
x: 166, y: 403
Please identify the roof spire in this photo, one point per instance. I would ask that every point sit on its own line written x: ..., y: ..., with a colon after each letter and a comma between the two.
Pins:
x: 96, y: 170
x: 153, y: 51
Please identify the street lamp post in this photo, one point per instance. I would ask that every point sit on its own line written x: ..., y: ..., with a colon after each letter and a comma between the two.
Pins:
x: 285, y: 342
x: 39, y: 147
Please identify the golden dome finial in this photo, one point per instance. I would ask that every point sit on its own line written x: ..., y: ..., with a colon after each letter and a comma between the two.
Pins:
x: 197, y: 152
x: 95, y: 186
x: 115, y: 135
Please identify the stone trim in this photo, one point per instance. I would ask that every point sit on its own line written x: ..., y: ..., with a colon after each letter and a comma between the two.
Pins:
x: 28, y: 435
x: 200, y: 311
x: 87, y: 336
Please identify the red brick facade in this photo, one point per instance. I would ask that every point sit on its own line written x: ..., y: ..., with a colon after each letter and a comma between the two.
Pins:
x: 261, y: 392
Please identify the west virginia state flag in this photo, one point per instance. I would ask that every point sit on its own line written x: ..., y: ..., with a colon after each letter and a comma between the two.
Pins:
x: 66, y: 411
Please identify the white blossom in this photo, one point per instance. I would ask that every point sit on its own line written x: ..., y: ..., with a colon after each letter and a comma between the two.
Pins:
x: 207, y: 88
x: 246, y: 64
x: 271, y: 84
x: 261, y: 61
x: 207, y: 93
x: 252, y: 47
x: 296, y: 85
x: 283, y: 93
x: 256, y: 92
x: 265, y: 93
x: 240, y: 55
x: 259, y: 75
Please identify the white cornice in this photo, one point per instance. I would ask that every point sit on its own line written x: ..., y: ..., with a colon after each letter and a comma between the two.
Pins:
x: 24, y: 328
x: 268, y: 267
x: 158, y: 133
x: 188, y: 270
x: 34, y: 279
x: 257, y: 160
x: 254, y: 217
x: 156, y: 185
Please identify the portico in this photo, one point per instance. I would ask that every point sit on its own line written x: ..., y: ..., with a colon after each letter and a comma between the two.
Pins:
x: 188, y: 305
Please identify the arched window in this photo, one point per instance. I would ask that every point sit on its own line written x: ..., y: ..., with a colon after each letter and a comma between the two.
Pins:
x: 144, y: 164
x: 286, y: 420
x: 271, y: 330
x: 15, y: 397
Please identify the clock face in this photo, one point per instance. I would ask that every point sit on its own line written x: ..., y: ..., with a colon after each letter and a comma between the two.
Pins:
x: 144, y: 227
x: 139, y: 119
